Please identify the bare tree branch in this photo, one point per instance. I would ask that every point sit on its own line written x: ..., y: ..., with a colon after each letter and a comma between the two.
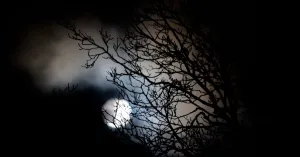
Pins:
x: 67, y: 89
x: 166, y: 66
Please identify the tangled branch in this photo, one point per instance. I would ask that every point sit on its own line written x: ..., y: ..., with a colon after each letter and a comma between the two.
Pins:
x: 166, y: 67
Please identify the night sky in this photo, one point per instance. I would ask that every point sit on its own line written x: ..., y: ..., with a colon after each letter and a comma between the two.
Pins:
x: 69, y: 124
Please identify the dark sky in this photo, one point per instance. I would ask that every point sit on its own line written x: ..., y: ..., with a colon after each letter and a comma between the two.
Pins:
x: 60, y: 125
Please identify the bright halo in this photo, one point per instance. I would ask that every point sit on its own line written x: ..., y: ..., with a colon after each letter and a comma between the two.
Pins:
x: 116, y: 112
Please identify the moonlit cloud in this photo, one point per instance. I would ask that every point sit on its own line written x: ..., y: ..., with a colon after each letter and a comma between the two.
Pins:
x: 54, y: 60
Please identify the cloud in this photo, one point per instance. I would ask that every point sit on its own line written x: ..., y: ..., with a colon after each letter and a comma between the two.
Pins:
x: 54, y: 60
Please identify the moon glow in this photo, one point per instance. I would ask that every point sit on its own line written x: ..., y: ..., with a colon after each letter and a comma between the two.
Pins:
x: 116, y: 113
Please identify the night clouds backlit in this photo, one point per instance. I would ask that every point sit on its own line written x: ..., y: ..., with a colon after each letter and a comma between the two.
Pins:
x: 178, y: 87
x: 54, y: 60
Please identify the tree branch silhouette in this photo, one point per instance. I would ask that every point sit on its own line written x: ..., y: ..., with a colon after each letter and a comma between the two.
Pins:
x: 67, y: 89
x: 166, y: 65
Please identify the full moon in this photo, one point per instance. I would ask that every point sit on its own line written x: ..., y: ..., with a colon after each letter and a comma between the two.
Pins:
x: 116, y: 113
